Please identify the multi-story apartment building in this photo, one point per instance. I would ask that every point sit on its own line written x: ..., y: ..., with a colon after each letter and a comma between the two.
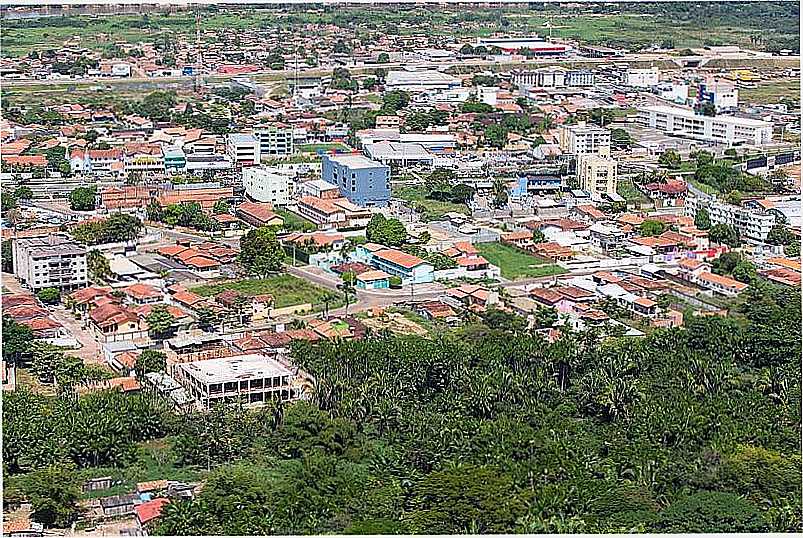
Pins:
x: 753, y: 224
x: 265, y: 184
x: 333, y: 212
x: 361, y: 180
x: 584, y: 139
x: 597, y: 175
x: 55, y: 261
x: 275, y: 141
x: 723, y: 129
x: 253, y: 380
x: 244, y: 149
x: 550, y: 77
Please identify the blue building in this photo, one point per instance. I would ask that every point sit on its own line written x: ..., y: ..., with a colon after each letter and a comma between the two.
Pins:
x: 363, y: 181
x: 536, y: 184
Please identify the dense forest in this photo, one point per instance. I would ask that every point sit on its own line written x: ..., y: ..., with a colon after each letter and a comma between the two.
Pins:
x: 476, y: 429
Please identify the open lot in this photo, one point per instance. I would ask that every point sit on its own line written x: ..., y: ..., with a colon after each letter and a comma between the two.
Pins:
x: 771, y: 91
x: 515, y: 263
x: 287, y: 290
x: 433, y: 209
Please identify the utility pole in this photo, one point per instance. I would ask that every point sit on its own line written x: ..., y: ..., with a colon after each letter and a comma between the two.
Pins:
x: 199, y: 59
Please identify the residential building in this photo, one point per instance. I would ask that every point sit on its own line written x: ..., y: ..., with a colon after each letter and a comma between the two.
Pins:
x: 333, y: 212
x: 55, y: 261
x: 318, y: 188
x: 205, y: 194
x: 417, y: 81
x: 251, y: 379
x: 243, y: 149
x: 258, y: 214
x: 582, y: 139
x: 144, y: 159
x: 112, y: 322
x: 641, y: 78
x: 751, y: 223
x: 361, y: 180
x: 275, y: 141
x: 96, y: 161
x: 411, y: 269
x: 373, y: 280
x: 685, y: 122
x: 597, y: 175
x: 265, y: 184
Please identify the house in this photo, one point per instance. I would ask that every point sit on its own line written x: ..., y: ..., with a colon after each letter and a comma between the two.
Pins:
x: 411, y: 269
x: 474, y: 297
x: 258, y: 214
x: 142, y: 294
x: 119, y: 505
x: 149, y: 511
x: 21, y: 527
x: 436, y: 310
x: 113, y: 322
x: 553, y: 298
x: 373, y: 280
x: 721, y: 284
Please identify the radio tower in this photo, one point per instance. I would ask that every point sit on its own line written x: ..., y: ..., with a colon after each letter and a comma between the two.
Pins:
x: 199, y: 61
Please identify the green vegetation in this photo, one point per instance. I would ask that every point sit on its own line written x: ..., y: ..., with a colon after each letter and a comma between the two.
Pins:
x: 429, y: 209
x: 294, y: 222
x: 627, y: 190
x: 390, y: 232
x: 772, y: 91
x: 516, y: 263
x: 287, y: 290
x: 116, y: 228
x: 314, y: 148
x: 261, y: 254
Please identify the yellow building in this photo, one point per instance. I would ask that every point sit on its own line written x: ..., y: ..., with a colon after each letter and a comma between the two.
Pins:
x: 597, y: 175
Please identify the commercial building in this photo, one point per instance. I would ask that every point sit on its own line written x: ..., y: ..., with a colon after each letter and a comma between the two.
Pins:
x: 537, y: 45
x: 55, y: 261
x: 583, y: 139
x: 399, y: 154
x: 174, y: 159
x: 641, y: 78
x: 553, y: 77
x: 753, y: 224
x: 597, y: 174
x: 721, y: 93
x: 243, y: 149
x: 361, y: 180
x: 275, y: 141
x: 265, y: 184
x: 723, y: 129
x: 418, y: 81
x: 252, y: 379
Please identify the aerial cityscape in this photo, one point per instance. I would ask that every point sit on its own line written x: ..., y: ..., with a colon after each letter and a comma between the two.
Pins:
x: 412, y: 268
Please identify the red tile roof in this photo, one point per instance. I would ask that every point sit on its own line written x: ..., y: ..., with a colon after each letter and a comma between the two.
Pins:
x: 150, y: 510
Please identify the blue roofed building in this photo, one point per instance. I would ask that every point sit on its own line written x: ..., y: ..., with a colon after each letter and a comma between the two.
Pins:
x: 364, y: 182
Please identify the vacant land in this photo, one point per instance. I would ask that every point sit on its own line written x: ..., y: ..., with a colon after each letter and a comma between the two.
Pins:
x: 627, y: 190
x: 287, y: 290
x: 516, y: 263
x: 295, y: 222
x: 772, y: 91
x: 430, y: 209
x: 314, y: 148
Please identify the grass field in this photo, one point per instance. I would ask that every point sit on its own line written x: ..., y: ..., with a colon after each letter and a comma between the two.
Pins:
x: 433, y: 209
x: 771, y: 91
x: 629, y: 192
x: 287, y: 290
x: 313, y: 148
x: 515, y: 263
x: 295, y: 222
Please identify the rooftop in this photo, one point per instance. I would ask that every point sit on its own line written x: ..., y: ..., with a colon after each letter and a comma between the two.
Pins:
x: 230, y: 369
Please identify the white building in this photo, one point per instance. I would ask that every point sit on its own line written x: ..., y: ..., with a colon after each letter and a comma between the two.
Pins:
x: 55, y: 261
x: 417, y: 81
x: 582, y: 139
x: 275, y: 141
x: 399, y: 153
x: 722, y: 94
x: 724, y: 129
x: 553, y: 77
x: 677, y: 92
x: 642, y: 78
x: 265, y: 184
x: 750, y: 223
x: 254, y: 380
x: 243, y: 149
x: 597, y: 175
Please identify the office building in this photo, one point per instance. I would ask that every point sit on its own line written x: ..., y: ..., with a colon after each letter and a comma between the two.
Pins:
x: 642, y: 78
x: 55, y: 261
x: 685, y: 122
x: 252, y: 379
x: 597, y: 175
x: 265, y: 184
x: 417, y: 81
x: 583, y: 139
x: 275, y: 141
x: 361, y: 180
x: 243, y: 149
x: 552, y: 77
